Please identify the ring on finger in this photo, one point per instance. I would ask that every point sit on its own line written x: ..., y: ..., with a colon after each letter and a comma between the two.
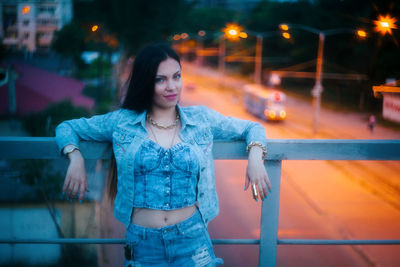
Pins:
x: 254, y: 190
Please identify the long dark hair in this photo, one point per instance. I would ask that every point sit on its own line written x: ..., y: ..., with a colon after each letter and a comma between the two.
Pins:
x: 141, y: 86
x: 140, y: 93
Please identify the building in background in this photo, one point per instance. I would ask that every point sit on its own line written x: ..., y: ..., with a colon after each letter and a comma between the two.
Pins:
x: 35, y: 89
x: 30, y: 25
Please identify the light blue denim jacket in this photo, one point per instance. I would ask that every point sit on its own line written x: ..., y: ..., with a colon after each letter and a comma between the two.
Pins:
x: 126, y: 130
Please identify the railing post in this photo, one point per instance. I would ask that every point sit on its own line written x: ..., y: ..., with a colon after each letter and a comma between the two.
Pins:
x: 270, y: 216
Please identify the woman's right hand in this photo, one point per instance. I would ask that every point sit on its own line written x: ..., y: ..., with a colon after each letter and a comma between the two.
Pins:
x: 76, y: 180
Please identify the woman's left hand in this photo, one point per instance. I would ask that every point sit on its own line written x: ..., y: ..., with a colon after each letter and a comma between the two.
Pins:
x: 257, y: 175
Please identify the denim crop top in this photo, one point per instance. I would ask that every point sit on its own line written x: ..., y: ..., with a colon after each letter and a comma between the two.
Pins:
x: 165, y: 179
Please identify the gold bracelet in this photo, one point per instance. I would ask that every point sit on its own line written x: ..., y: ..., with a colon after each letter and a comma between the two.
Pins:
x: 259, y: 144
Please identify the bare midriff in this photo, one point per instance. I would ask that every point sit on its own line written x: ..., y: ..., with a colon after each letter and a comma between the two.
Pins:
x: 151, y: 218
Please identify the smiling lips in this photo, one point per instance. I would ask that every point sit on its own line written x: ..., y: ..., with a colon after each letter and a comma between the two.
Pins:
x: 171, y: 97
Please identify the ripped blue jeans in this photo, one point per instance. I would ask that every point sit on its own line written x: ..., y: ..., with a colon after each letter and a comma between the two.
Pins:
x: 183, y: 244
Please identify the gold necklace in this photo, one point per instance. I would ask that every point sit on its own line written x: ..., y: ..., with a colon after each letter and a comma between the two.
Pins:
x: 162, y: 127
x: 155, y: 137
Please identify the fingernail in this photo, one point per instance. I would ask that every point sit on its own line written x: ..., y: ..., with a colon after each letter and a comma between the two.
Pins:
x: 80, y: 201
x: 244, y: 188
x: 256, y: 199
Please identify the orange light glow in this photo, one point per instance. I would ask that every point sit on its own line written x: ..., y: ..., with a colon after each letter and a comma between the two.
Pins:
x: 284, y: 27
x: 361, y: 33
x: 385, y: 24
x: 201, y: 33
x: 243, y: 35
x: 95, y: 28
x: 272, y: 114
x: 282, y: 114
x: 232, y: 31
x: 177, y: 37
x: 184, y: 35
x: 286, y: 35
x: 26, y: 9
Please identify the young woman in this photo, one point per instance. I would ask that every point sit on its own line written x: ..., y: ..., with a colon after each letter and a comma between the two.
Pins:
x: 165, y: 189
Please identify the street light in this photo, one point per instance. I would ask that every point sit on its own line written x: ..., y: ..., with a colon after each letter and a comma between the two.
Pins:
x: 26, y: 10
x: 284, y: 27
x: 385, y: 24
x: 177, y: 37
x: 318, y: 88
x: 95, y: 28
x: 361, y: 33
x: 232, y: 32
x: 286, y: 35
x: 184, y: 36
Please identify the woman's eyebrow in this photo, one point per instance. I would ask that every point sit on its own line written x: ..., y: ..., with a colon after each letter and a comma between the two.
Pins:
x: 164, y: 76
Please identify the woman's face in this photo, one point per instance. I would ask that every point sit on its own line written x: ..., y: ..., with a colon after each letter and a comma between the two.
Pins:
x: 168, y: 84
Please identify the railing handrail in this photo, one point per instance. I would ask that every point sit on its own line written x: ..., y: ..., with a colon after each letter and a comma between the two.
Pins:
x: 277, y: 150
x: 112, y: 241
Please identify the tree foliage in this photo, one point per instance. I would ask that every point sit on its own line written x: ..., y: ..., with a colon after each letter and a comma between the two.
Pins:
x: 45, y: 122
x: 70, y: 41
x: 138, y: 22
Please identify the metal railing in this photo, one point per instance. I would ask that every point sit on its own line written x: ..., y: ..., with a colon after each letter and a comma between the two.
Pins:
x: 278, y: 150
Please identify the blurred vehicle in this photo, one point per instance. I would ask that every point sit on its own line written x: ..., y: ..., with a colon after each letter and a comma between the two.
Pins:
x: 264, y: 102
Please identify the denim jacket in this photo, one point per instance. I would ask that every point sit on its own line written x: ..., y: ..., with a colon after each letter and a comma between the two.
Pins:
x: 126, y: 130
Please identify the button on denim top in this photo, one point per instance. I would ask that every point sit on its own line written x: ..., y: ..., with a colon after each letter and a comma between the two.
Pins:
x: 165, y: 179
x: 126, y: 129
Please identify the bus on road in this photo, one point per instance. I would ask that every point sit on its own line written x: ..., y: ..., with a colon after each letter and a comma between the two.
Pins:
x: 265, y: 102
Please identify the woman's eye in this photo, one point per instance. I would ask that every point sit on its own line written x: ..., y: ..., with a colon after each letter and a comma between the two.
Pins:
x: 159, y: 80
x: 177, y: 76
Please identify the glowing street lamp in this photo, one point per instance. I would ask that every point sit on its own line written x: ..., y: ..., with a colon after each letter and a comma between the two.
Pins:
x: 95, y: 28
x: 361, y: 33
x: 385, y: 24
x: 284, y: 27
x: 184, y: 35
x: 243, y: 35
x: 232, y: 32
x: 286, y: 35
x: 25, y: 10
x: 318, y: 88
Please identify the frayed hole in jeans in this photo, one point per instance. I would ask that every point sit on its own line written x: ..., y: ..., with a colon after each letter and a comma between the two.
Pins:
x: 202, y: 257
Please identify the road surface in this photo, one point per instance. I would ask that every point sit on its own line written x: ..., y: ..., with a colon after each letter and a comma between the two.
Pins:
x: 319, y: 199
